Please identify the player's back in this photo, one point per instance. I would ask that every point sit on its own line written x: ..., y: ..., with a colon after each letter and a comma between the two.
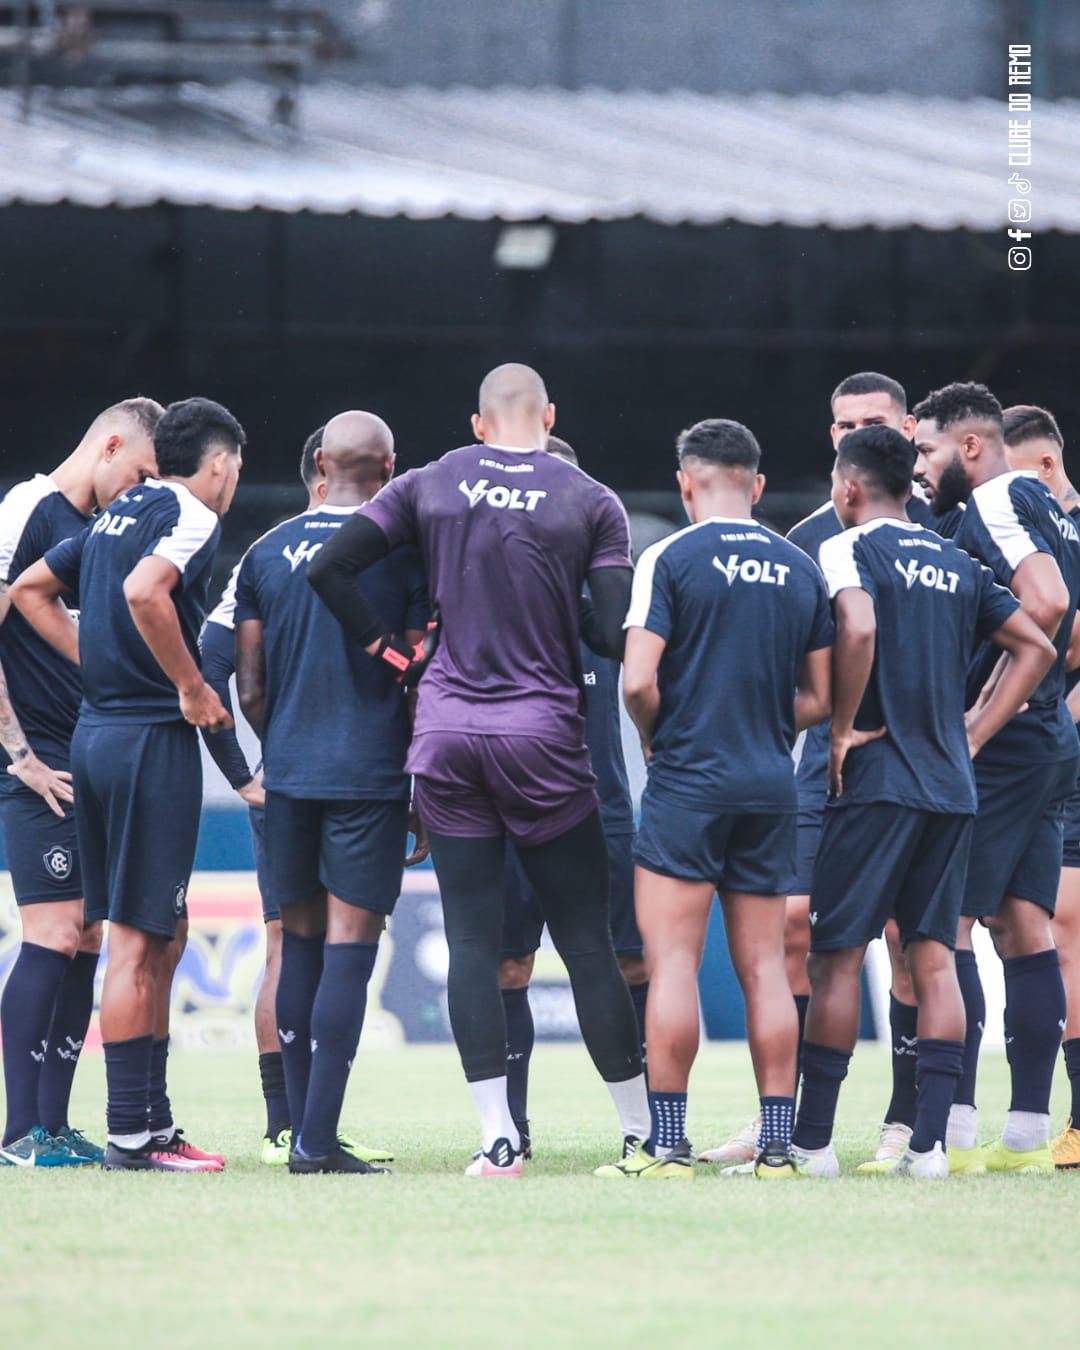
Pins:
x: 1008, y: 518
x: 931, y: 601
x: 739, y: 608
x: 507, y: 538
x: 43, y: 685
x: 335, y: 724
x: 121, y: 679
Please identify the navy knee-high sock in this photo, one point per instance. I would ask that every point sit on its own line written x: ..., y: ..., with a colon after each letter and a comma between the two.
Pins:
x: 1034, y: 1020
x: 159, y: 1119
x: 823, y: 1070
x: 520, y: 1036
x: 127, y: 1080
x: 639, y: 994
x: 337, y: 1019
x: 298, y: 983
x: 903, y: 1023
x: 26, y: 1014
x: 1071, y: 1051
x: 71, y: 1018
x: 971, y: 991
x: 272, y: 1075
x: 940, y: 1064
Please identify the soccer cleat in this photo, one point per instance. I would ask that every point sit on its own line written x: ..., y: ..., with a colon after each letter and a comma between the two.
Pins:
x: 932, y: 1166
x: 178, y: 1146
x: 337, y: 1160
x: 629, y: 1145
x: 740, y: 1148
x: 500, y: 1160
x: 676, y: 1162
x: 1001, y: 1159
x: 966, y: 1162
x: 522, y: 1127
x: 39, y: 1149
x: 363, y: 1151
x: 892, y: 1143
x: 275, y: 1151
x: 152, y: 1158
x: 1065, y: 1148
x: 78, y: 1146
x: 818, y: 1162
x: 777, y: 1161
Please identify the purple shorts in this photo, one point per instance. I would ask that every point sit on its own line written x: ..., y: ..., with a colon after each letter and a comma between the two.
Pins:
x: 474, y: 787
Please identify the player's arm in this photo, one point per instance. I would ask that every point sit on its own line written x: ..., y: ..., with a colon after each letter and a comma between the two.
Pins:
x: 36, y: 594
x: 251, y: 671
x: 218, y: 651
x: 1039, y: 586
x: 1072, y: 656
x: 813, y: 693
x: 641, y: 685
x: 1029, y: 654
x: 603, y: 613
x: 148, y: 589
x: 852, y: 662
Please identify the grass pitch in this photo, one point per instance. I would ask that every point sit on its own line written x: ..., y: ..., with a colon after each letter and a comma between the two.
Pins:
x: 254, y: 1257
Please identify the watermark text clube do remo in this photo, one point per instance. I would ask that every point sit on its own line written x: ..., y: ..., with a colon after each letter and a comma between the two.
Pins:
x: 1019, y: 208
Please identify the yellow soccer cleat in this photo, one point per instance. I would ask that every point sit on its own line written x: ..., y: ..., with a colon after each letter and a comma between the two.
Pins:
x: 1002, y: 1159
x: 364, y: 1151
x: 677, y: 1162
x: 1065, y: 1148
x: 968, y: 1162
x: 275, y: 1151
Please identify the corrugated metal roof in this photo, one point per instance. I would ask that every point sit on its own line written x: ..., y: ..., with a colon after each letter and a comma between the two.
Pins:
x: 517, y: 154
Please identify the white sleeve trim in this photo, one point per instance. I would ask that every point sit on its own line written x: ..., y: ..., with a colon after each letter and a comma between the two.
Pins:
x: 194, y: 526
x: 224, y: 612
x: 1003, y: 525
x: 15, y: 512
x: 644, y: 574
x: 836, y: 558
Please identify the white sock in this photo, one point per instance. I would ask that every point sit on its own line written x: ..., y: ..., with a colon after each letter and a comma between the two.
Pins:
x: 489, y: 1094
x: 962, y: 1130
x: 1025, y: 1130
x: 130, y: 1141
x: 813, y: 1152
x: 631, y: 1100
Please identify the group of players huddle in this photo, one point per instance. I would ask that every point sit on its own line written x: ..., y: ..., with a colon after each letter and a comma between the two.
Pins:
x: 457, y: 633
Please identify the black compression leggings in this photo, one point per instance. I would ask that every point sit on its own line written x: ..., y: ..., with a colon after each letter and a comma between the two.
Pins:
x: 570, y: 877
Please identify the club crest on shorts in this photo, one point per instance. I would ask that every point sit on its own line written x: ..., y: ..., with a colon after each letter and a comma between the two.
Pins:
x: 58, y: 861
x: 179, y: 897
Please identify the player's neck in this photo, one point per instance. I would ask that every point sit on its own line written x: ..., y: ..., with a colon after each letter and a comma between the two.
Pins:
x: 1064, y: 491
x: 350, y: 494
x: 705, y: 503
x: 76, y: 483
x: 881, y: 510
x: 525, y: 436
x: 990, y: 464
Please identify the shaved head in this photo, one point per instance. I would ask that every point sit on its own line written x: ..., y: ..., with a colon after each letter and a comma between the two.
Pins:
x: 142, y: 414
x: 357, y: 451
x: 512, y: 392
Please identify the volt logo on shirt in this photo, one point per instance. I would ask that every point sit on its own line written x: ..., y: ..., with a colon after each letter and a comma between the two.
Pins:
x: 110, y: 524
x: 936, y: 578
x: 504, y: 498
x: 1066, y: 528
x: 303, y: 552
x: 752, y: 569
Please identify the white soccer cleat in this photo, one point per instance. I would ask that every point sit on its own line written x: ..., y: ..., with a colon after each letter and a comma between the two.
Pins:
x: 740, y: 1148
x: 817, y: 1162
x: 892, y: 1143
x: 501, y: 1160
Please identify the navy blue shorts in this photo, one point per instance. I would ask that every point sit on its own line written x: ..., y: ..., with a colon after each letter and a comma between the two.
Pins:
x: 42, y: 850
x: 257, y: 817
x: 808, y: 840
x: 880, y: 861
x: 523, y: 921
x: 1070, y: 853
x: 353, y: 849
x: 737, y: 851
x: 138, y: 796
x: 1017, y: 845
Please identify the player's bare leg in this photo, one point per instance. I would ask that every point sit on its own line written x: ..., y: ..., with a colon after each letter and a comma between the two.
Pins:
x: 1065, y: 927
x: 899, y: 1117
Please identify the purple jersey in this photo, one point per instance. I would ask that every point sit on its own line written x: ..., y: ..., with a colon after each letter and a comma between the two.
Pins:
x: 507, y: 538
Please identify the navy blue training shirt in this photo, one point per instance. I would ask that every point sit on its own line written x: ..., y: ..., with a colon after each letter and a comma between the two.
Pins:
x: 44, y: 687
x: 122, y: 682
x: 335, y: 724
x: 1009, y: 518
x: 739, y: 608
x: 603, y: 736
x: 809, y: 534
x: 931, y: 600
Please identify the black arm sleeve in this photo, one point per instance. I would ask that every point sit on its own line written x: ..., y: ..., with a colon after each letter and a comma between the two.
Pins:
x: 218, y: 646
x: 602, y: 617
x: 333, y: 572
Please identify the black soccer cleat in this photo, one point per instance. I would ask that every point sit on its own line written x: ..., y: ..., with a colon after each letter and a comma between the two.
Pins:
x: 337, y: 1160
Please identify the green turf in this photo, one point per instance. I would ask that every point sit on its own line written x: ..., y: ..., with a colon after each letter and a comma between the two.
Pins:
x: 254, y: 1257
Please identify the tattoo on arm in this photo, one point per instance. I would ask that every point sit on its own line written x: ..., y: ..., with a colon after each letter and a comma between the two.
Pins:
x: 12, y: 737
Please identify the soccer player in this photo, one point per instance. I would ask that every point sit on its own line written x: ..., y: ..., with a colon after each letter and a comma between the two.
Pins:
x: 524, y: 922
x: 337, y: 801
x: 509, y: 536
x: 908, y: 606
x: 1023, y: 775
x: 141, y: 572
x: 1034, y: 444
x: 49, y: 995
x: 727, y: 659
x: 867, y: 399
x: 217, y: 646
